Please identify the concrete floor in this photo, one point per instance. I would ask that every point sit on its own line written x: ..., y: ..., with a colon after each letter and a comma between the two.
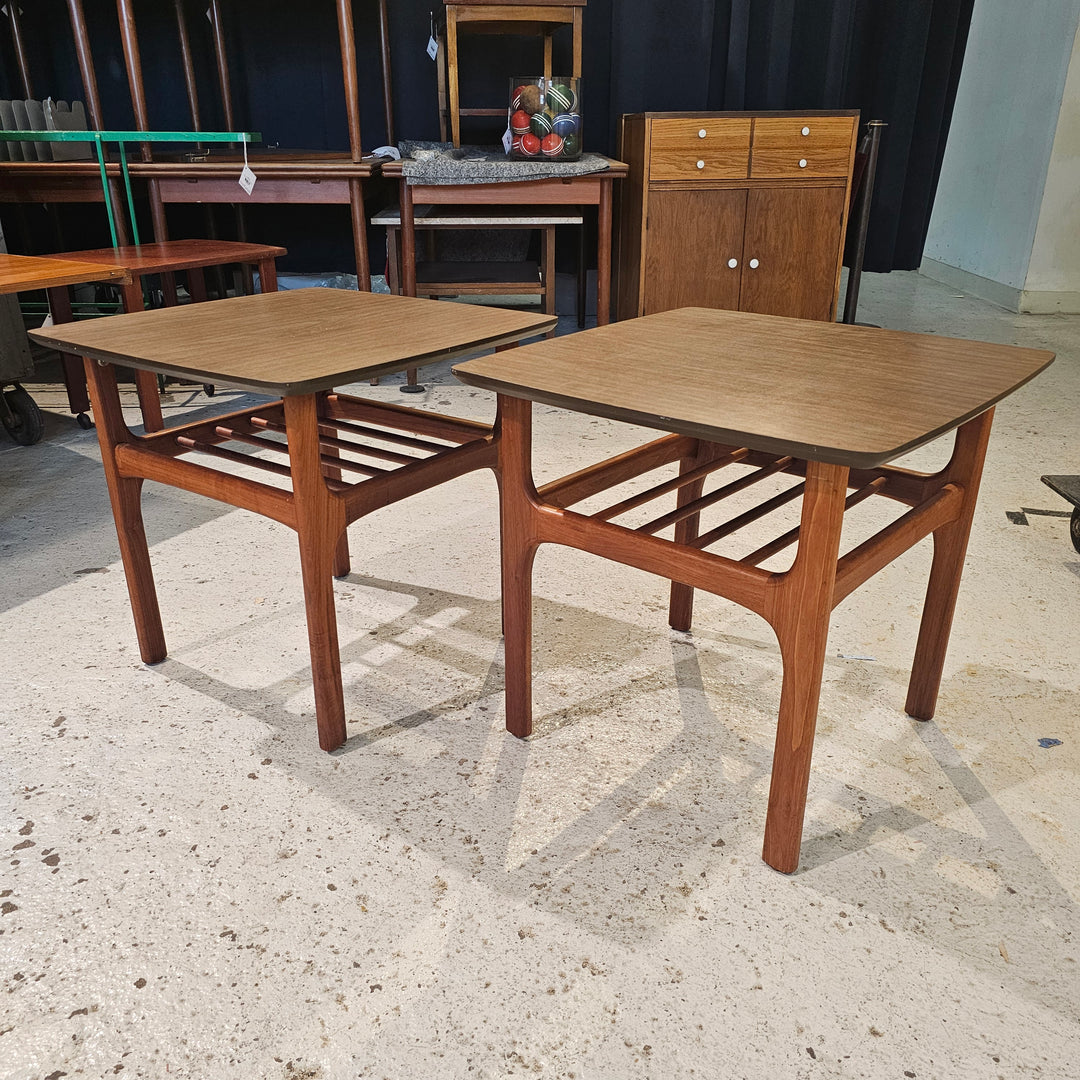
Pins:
x: 194, y: 890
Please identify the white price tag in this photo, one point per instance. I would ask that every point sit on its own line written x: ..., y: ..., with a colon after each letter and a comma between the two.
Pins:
x: 507, y: 141
x: 432, y: 47
x: 48, y: 321
x: 247, y: 179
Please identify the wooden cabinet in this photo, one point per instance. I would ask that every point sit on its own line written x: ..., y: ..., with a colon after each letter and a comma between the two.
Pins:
x: 733, y: 210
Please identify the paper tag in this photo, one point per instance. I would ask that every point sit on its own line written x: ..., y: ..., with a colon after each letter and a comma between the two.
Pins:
x: 247, y: 179
x: 507, y: 141
x: 432, y: 47
x: 48, y: 321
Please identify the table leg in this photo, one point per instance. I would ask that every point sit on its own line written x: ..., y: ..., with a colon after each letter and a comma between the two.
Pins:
x: 799, y: 614
x: 950, y: 546
x: 268, y: 275
x: 452, y: 68
x: 125, y: 494
x: 74, y: 376
x: 359, y: 230
x: 342, y: 562
x: 408, y: 258
x: 516, y: 509
x: 547, y: 246
x: 681, y: 604
x: 603, y: 254
x: 320, y: 521
x: 146, y: 381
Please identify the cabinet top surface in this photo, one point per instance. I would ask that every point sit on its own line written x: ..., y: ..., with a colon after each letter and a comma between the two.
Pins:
x: 742, y: 113
x: 293, y: 342
x: 19, y: 272
x: 847, y: 395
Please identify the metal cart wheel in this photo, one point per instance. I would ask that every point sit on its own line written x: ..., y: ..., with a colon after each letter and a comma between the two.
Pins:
x: 84, y: 421
x: 1074, y: 527
x: 21, y: 417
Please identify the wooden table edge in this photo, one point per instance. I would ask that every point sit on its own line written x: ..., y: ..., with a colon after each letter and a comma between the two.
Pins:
x: 855, y: 459
x: 293, y: 389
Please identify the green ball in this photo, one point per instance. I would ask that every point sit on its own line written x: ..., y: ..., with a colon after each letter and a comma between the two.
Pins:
x: 571, y: 146
x: 540, y: 123
x: 560, y: 97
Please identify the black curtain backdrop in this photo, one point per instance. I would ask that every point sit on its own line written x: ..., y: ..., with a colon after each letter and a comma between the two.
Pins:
x: 895, y: 60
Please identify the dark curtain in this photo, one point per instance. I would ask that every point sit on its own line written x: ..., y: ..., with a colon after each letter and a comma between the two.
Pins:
x: 895, y: 60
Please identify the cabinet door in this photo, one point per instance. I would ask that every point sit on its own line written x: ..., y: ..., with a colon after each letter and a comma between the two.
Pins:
x: 691, y: 238
x: 791, y: 251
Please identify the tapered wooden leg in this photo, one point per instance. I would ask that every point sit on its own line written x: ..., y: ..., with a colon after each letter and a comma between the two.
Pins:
x: 267, y: 275
x: 125, y: 494
x: 547, y: 248
x: 800, y: 616
x: 145, y: 381
x: 950, y: 546
x: 681, y: 604
x: 519, y: 544
x: 320, y: 520
x: 342, y: 563
x: 74, y: 375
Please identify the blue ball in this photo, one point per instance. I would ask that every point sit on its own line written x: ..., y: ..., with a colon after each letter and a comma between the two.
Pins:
x: 566, y: 124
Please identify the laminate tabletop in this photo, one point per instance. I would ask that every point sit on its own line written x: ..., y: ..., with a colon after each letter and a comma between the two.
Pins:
x: 177, y: 255
x: 296, y: 342
x: 18, y: 272
x: 830, y: 392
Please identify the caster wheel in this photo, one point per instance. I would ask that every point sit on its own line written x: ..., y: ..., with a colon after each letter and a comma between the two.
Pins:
x: 407, y: 389
x: 209, y: 389
x: 24, y: 423
x: 84, y: 421
x: 1074, y: 527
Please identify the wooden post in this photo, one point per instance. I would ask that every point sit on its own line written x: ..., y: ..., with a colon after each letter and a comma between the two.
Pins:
x: 20, y: 48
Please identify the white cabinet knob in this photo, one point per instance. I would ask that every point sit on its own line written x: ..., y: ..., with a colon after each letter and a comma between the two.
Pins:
x: 753, y: 264
x: 802, y: 163
x: 806, y: 131
x: 733, y: 263
x: 701, y: 164
x: 701, y: 134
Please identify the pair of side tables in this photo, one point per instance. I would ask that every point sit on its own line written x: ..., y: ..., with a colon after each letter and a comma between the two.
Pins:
x: 824, y: 406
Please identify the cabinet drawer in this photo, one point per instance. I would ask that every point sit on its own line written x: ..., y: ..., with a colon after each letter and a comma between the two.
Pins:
x: 701, y: 149
x: 801, y: 146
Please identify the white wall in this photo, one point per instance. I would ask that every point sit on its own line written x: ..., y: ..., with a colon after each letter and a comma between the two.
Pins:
x: 997, y: 164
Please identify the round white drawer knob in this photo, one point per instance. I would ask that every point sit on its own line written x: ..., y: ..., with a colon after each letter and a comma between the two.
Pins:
x: 701, y: 134
x: 806, y: 131
x: 701, y: 164
x: 733, y: 263
x: 802, y: 163
x: 753, y: 264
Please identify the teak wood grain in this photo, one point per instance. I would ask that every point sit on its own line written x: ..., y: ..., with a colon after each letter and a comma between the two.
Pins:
x: 849, y: 395
x: 27, y: 272
x: 177, y: 255
x: 294, y: 342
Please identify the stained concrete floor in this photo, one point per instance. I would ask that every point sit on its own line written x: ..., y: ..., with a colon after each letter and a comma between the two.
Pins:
x: 194, y: 890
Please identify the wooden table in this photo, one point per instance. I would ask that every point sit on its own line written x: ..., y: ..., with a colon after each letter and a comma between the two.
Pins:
x: 20, y: 273
x: 593, y: 189
x: 137, y: 261
x: 827, y: 405
x: 298, y: 345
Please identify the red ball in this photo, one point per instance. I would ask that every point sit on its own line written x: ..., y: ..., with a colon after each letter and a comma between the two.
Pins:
x: 530, y: 145
x: 515, y: 101
x: 552, y: 145
x: 515, y: 146
x: 519, y: 122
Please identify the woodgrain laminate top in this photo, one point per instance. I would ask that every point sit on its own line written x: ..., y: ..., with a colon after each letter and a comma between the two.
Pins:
x: 297, y: 342
x: 177, y: 255
x: 847, y: 395
x: 19, y: 272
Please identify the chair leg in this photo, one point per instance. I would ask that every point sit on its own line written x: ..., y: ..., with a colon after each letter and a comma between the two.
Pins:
x: 125, y: 494
x: 320, y: 521
x: 950, y: 546
x: 800, y: 618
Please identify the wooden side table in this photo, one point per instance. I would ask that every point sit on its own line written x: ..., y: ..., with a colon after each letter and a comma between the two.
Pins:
x: 135, y: 262
x: 298, y: 344
x: 827, y: 405
x: 508, y: 17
